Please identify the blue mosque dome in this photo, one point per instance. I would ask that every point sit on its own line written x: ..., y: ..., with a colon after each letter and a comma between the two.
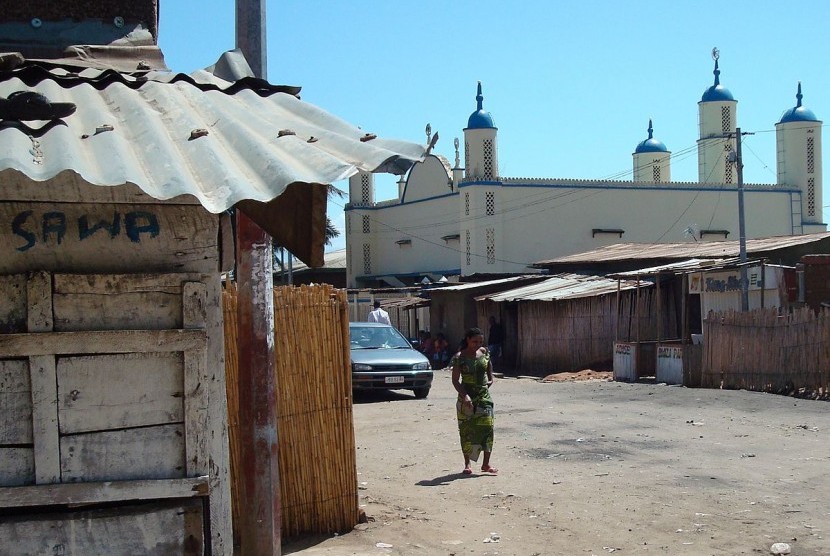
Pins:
x: 798, y: 113
x: 651, y: 145
x: 716, y: 92
x: 480, y: 119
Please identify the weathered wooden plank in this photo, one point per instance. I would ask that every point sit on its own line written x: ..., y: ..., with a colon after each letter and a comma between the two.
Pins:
x: 107, y: 341
x: 220, y: 482
x: 13, y: 303
x: 116, y: 284
x: 43, y: 382
x: 195, y: 383
x: 39, y: 307
x: 102, y: 392
x: 17, y: 466
x: 118, y: 301
x: 68, y: 187
x: 100, y: 492
x: 15, y: 402
x: 45, y: 419
x: 227, y: 251
x: 157, y: 529
x: 131, y: 454
x: 107, y: 238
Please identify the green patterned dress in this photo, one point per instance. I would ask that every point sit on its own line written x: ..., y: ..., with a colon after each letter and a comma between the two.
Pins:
x: 476, y: 429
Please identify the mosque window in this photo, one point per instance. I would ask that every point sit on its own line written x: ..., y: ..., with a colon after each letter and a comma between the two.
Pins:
x: 725, y: 119
x: 655, y: 171
x: 727, y: 166
x: 365, y: 190
x: 366, y: 224
x: 467, y: 241
x: 467, y: 155
x: 490, y: 203
x: 811, y: 164
x: 488, y: 158
x: 490, y: 234
x: 466, y: 204
x: 367, y: 259
x: 811, y: 196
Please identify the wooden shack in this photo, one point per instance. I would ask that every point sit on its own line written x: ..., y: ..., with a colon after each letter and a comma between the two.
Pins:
x: 112, y: 397
x: 114, y: 231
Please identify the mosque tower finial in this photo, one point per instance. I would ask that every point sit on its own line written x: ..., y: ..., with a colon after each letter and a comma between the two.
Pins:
x: 479, y: 98
x: 717, y: 73
x: 798, y: 95
x: 650, y: 129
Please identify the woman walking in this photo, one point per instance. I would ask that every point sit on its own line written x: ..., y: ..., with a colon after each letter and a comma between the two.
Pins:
x: 472, y: 376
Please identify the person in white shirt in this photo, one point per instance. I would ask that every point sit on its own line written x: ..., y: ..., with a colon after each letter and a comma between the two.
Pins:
x: 379, y: 315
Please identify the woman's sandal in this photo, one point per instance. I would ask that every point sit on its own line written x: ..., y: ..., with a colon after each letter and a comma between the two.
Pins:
x: 489, y: 469
x: 467, y: 471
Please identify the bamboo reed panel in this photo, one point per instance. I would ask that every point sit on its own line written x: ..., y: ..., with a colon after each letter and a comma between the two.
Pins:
x: 318, y: 472
x: 764, y: 351
x: 317, y: 460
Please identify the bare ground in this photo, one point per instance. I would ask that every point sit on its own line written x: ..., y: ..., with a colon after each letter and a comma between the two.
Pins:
x: 592, y: 467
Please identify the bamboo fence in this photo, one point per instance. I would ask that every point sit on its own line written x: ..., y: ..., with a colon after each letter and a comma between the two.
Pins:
x: 764, y: 351
x: 318, y: 473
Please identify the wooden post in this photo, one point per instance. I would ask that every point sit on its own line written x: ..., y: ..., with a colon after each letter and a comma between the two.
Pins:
x: 684, y: 310
x: 659, y: 309
x: 261, y: 511
x: 763, y: 282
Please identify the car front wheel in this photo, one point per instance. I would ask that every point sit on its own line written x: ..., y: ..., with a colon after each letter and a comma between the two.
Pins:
x: 421, y: 393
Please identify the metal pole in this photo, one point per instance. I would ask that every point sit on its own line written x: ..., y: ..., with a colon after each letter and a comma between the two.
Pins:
x: 261, y: 515
x: 741, y: 222
x: 250, y: 34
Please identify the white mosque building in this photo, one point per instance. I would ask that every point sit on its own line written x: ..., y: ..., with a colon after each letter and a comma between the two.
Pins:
x: 450, y: 220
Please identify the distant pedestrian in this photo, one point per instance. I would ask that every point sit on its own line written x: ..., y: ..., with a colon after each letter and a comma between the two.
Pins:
x: 440, y: 351
x: 378, y: 315
x: 472, y: 377
x: 495, y: 337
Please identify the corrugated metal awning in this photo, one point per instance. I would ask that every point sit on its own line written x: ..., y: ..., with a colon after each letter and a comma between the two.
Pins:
x: 471, y: 286
x: 563, y: 286
x: 221, y: 142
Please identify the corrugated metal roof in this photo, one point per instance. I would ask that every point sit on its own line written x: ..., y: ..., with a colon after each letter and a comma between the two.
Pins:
x: 333, y: 260
x: 694, y: 265
x: 405, y: 303
x: 487, y: 283
x: 242, y: 156
x: 709, y: 249
x: 563, y: 286
x: 691, y: 265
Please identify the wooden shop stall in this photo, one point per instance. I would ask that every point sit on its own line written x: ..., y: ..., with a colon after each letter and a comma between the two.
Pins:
x: 114, y: 234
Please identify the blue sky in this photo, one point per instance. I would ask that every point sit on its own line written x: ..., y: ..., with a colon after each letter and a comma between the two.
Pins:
x: 571, y: 86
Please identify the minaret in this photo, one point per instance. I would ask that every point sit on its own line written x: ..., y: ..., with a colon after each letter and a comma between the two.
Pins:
x: 718, y: 116
x: 798, y: 138
x: 480, y: 148
x: 652, y: 160
x: 457, y: 170
x: 362, y: 188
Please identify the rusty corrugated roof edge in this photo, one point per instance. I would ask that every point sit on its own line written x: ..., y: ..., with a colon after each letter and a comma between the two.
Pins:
x: 709, y: 249
x: 564, y: 286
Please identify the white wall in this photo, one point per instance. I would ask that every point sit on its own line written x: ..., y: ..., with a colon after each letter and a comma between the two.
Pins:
x: 540, y: 220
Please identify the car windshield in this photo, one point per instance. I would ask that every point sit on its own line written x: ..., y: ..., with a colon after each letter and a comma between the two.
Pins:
x: 376, y: 337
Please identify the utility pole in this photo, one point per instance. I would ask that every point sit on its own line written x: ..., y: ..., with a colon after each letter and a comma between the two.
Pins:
x: 261, y: 514
x: 739, y: 164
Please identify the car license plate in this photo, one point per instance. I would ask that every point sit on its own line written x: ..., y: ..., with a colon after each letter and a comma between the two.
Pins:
x: 394, y: 380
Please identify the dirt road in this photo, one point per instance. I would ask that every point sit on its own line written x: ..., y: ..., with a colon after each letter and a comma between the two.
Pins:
x: 592, y: 467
